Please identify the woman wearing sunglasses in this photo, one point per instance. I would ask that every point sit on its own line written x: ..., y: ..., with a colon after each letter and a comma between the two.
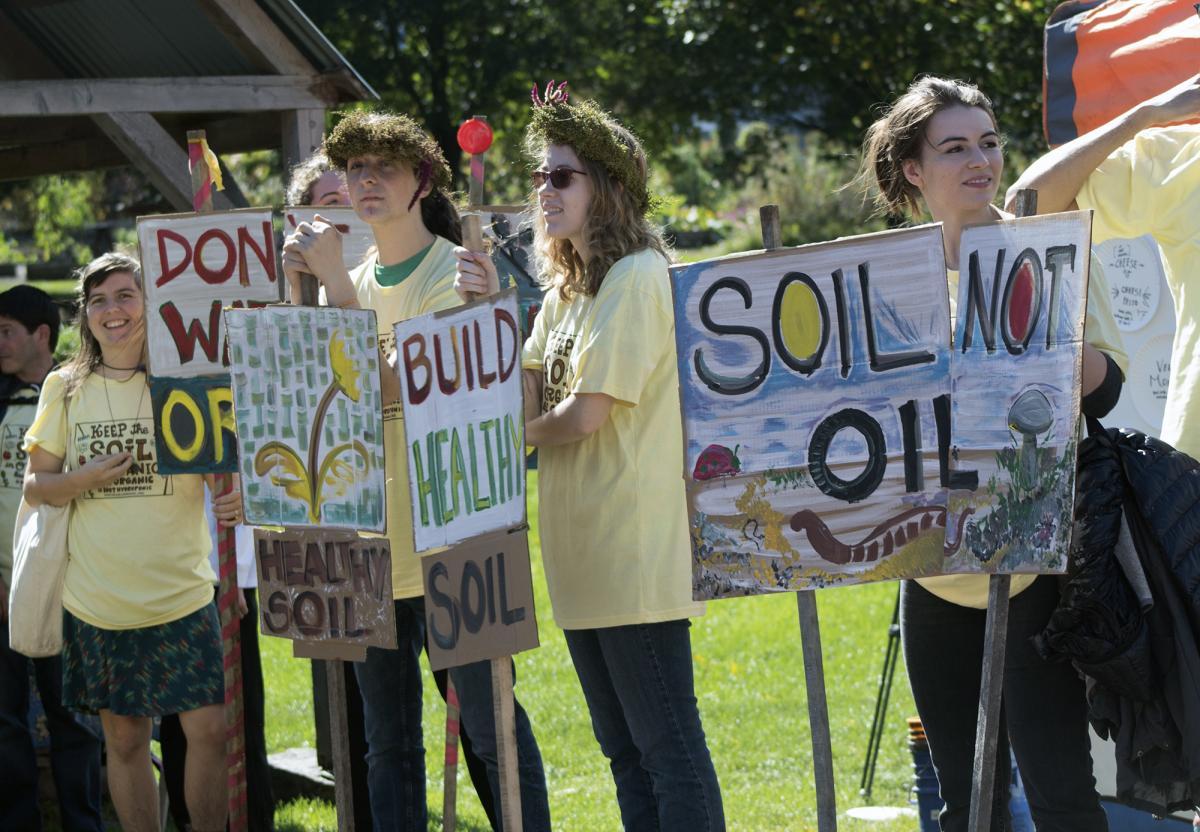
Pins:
x: 939, y: 144
x: 602, y: 405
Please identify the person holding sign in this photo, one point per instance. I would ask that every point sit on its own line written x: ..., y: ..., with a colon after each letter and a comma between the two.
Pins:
x: 939, y: 144
x: 140, y: 630
x: 602, y: 406
x: 398, y: 180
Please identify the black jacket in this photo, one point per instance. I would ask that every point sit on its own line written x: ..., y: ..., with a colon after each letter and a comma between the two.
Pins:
x: 1142, y: 663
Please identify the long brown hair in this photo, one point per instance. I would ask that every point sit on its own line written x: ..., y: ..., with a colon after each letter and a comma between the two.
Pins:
x: 615, y: 227
x: 85, y: 362
x: 898, y: 135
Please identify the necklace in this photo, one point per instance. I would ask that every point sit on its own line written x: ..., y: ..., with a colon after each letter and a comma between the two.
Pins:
x: 138, y: 412
x: 134, y: 369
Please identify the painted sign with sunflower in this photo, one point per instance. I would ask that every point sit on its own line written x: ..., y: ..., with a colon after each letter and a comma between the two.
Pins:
x: 309, y: 416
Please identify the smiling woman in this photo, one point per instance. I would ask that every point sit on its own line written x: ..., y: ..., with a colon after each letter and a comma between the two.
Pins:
x: 140, y: 629
x: 938, y: 146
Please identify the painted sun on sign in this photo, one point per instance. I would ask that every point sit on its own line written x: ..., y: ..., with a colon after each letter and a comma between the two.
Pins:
x: 309, y: 416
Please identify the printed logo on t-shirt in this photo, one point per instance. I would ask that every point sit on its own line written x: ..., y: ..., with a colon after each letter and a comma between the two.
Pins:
x: 558, y: 374
x: 12, y: 456
x: 132, y: 436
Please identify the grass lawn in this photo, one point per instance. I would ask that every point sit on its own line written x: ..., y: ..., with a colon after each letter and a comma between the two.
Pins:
x: 750, y: 683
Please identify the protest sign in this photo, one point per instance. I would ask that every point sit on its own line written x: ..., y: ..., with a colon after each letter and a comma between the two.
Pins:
x: 1017, y: 371
x: 460, y: 378
x: 326, y: 586
x: 194, y: 265
x: 309, y: 416
x: 479, y: 600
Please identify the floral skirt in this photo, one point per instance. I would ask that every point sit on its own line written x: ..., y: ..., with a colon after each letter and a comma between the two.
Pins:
x: 148, y: 671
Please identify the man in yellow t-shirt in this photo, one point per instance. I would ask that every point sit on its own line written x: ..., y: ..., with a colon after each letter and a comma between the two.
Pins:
x: 398, y: 180
x: 1142, y: 177
x: 29, y: 323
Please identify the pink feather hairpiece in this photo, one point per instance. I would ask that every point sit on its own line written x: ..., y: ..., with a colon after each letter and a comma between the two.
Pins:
x: 424, y: 173
x: 552, y: 96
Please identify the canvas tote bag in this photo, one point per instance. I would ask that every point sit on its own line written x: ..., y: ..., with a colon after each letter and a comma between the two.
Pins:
x: 35, y: 611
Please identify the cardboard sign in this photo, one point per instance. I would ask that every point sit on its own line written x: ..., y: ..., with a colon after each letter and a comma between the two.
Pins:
x: 1017, y: 370
x: 325, y: 586
x: 460, y: 379
x: 814, y: 387
x: 479, y: 600
x: 309, y: 416
x: 194, y: 265
x: 509, y: 232
x: 1145, y: 313
x: 357, y: 237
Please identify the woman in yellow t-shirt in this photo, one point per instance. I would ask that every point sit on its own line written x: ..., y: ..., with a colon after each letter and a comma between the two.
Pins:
x: 939, y: 144
x: 140, y: 631
x: 602, y: 405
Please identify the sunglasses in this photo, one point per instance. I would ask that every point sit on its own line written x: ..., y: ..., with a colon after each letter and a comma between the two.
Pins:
x: 560, y: 178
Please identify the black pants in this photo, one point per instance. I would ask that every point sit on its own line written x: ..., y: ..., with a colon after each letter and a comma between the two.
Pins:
x: 260, y: 802
x: 1044, y: 711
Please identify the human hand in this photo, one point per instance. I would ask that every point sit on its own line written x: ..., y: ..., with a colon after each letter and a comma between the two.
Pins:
x: 99, y: 471
x: 227, y: 507
x: 242, y: 607
x: 476, y: 275
x: 315, y: 248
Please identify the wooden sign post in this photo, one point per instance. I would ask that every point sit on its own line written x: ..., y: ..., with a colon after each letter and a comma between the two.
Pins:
x: 467, y: 476
x: 991, y: 685
x: 810, y: 636
x: 235, y: 738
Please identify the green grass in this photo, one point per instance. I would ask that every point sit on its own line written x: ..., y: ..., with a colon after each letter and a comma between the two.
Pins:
x: 750, y: 683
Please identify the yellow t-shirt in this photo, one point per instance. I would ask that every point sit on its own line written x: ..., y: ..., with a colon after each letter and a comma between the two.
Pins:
x: 430, y: 288
x: 138, y: 546
x: 613, y: 516
x: 1100, y: 330
x: 17, y: 419
x: 1151, y: 185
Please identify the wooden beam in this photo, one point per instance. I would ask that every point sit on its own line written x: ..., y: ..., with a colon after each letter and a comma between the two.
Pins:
x: 230, y: 93
x: 256, y: 35
x: 146, y: 144
x: 303, y: 132
x: 60, y: 157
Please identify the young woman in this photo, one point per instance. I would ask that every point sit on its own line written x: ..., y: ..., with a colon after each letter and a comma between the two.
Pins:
x: 140, y: 630
x: 314, y: 182
x: 398, y: 180
x: 939, y: 145
x: 602, y: 405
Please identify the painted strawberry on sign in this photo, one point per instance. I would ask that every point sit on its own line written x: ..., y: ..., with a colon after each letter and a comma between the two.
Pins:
x: 717, y: 461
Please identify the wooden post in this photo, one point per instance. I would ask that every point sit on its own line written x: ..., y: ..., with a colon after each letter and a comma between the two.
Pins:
x: 227, y: 595
x: 810, y: 636
x: 991, y: 683
x: 450, y: 772
x: 504, y: 713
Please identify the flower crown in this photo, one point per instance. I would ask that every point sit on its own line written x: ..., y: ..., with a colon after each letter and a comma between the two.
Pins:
x: 591, y: 131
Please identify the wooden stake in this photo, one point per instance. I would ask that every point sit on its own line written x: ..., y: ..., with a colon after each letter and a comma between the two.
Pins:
x: 991, y: 683
x: 450, y: 783
x: 810, y: 636
x: 227, y: 594
x: 506, y: 743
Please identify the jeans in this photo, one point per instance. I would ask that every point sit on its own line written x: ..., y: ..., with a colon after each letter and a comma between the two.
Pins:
x: 74, y: 748
x: 390, y: 682
x: 637, y: 681
x: 1043, y: 713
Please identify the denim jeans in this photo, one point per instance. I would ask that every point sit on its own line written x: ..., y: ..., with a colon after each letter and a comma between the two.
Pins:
x: 74, y: 748
x: 390, y: 682
x: 638, y: 684
x: 1043, y: 713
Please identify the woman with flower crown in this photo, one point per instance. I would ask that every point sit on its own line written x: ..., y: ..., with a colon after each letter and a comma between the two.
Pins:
x: 602, y: 406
